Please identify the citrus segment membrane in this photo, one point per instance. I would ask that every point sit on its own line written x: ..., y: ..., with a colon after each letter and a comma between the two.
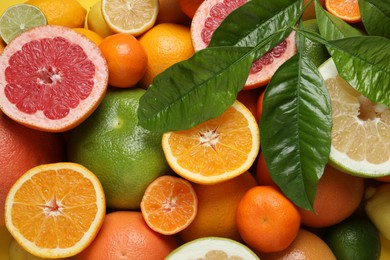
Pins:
x: 51, y: 78
x: 360, y: 142
x: 216, y: 150
x: 55, y: 210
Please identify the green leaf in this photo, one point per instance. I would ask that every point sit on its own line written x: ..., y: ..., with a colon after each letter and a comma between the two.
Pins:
x: 331, y: 27
x: 376, y: 17
x: 193, y: 91
x: 295, y: 129
x: 363, y: 61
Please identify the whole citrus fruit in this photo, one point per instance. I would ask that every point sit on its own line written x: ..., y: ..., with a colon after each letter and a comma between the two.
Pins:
x: 306, y: 245
x: 217, y: 205
x: 338, y: 196
x: 96, y: 22
x: 165, y: 44
x: 5, y: 241
x: 316, y: 52
x: 267, y: 220
x: 377, y: 207
x: 125, y: 156
x: 189, y: 7
x: 170, y: 12
x: 125, y: 235
x: 126, y: 59
x: 93, y: 36
x: 21, y: 149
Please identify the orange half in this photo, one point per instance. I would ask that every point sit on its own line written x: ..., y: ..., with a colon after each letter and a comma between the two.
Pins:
x: 347, y: 10
x: 216, y: 150
x: 55, y: 210
x: 169, y: 205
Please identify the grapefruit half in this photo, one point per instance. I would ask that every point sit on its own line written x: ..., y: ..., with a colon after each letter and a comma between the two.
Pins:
x: 210, y: 15
x: 51, y: 78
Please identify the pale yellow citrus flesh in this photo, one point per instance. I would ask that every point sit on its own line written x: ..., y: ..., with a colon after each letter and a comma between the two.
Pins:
x: 216, y: 150
x: 55, y: 210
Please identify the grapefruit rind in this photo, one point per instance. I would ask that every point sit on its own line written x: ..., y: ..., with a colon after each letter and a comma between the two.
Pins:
x: 339, y: 159
x: 76, y: 115
x: 88, y: 237
x: 198, y: 248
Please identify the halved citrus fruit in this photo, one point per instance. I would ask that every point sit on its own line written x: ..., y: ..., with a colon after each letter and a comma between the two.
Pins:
x: 212, y: 248
x: 210, y: 15
x: 55, y: 210
x: 347, y: 10
x: 130, y: 16
x: 216, y: 150
x: 360, y: 142
x: 51, y: 78
x: 19, y: 18
x: 169, y: 204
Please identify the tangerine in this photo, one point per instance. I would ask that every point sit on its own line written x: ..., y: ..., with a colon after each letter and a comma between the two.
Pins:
x: 347, y: 10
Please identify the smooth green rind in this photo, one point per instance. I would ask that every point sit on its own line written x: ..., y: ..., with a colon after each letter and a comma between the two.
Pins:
x: 295, y: 129
x: 363, y: 61
x: 18, y: 19
x: 376, y: 17
x: 193, y: 91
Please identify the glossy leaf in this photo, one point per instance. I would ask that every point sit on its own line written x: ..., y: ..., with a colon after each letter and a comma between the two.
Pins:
x: 193, y: 91
x: 295, y: 129
x: 364, y: 61
x: 376, y: 17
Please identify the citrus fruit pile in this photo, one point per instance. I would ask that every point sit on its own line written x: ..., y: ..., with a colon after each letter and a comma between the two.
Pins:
x: 81, y: 178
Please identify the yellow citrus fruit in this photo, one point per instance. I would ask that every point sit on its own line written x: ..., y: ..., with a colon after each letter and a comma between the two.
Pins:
x: 217, y: 205
x: 378, y: 208
x: 96, y: 38
x: 55, y: 210
x: 360, y: 131
x: 96, y: 22
x: 87, y: 3
x: 126, y: 59
x: 216, y: 150
x: 165, y: 44
x: 17, y: 252
x: 69, y: 13
x: 5, y: 4
x: 130, y: 16
x: 5, y: 241
x: 385, y: 248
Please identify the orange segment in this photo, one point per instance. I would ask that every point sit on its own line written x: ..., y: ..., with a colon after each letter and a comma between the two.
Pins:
x: 169, y: 205
x: 216, y: 150
x: 347, y: 10
x: 55, y: 210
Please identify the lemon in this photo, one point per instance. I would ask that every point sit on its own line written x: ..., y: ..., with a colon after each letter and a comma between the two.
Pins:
x: 378, y: 208
x: 96, y: 22
x: 385, y: 248
x: 6, y: 4
x: 360, y: 129
x: 88, y: 3
x: 69, y: 13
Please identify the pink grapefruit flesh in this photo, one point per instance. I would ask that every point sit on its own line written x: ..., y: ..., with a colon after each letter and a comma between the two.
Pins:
x: 210, y: 15
x: 51, y: 78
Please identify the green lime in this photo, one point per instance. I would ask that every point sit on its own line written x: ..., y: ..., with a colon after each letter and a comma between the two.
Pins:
x: 315, y: 51
x: 124, y: 156
x: 18, y: 19
x: 354, y: 239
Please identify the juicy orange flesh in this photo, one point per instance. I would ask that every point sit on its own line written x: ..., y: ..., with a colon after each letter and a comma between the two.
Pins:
x: 170, y: 205
x: 54, y: 208
x: 358, y: 129
x: 345, y: 8
x: 219, y: 145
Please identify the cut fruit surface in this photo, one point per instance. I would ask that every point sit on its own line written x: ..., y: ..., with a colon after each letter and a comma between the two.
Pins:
x: 55, y: 210
x: 347, y: 10
x: 212, y: 248
x: 216, y: 150
x: 51, y: 78
x: 210, y: 15
x: 20, y: 18
x: 169, y: 205
x: 360, y: 142
x: 130, y: 16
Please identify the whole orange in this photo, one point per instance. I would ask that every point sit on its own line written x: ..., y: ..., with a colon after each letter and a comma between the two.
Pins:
x: 249, y: 99
x: 170, y: 12
x: 21, y: 149
x: 125, y: 235
x: 126, y: 59
x: 189, y: 7
x: 260, y: 101
x: 383, y: 179
x: 165, y: 44
x: 217, y: 205
x: 262, y: 174
x: 338, y: 196
x: 267, y: 220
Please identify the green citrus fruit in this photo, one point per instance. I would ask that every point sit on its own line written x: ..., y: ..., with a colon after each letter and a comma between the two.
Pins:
x: 125, y: 157
x: 378, y: 208
x: 315, y: 51
x: 354, y: 239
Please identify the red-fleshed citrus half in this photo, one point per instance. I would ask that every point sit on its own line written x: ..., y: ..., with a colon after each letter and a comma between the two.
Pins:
x: 210, y: 15
x: 51, y: 78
